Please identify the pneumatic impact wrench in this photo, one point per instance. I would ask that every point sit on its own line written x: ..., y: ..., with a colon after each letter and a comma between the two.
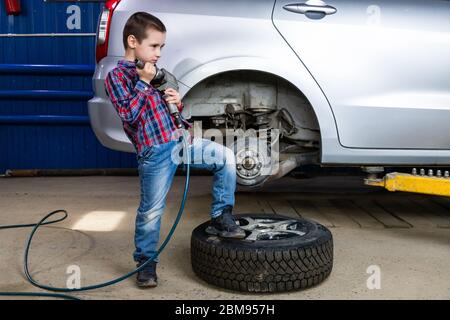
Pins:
x: 163, y: 80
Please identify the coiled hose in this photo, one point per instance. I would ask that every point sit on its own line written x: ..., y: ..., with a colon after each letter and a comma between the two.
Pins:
x: 44, y: 221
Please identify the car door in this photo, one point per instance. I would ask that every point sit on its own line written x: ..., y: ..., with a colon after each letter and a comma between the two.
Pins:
x: 384, y: 66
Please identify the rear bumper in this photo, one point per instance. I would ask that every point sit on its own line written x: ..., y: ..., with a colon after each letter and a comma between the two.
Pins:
x: 104, y: 119
x: 107, y: 125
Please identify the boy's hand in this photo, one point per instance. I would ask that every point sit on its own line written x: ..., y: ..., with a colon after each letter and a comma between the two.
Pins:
x: 148, y: 73
x: 172, y: 96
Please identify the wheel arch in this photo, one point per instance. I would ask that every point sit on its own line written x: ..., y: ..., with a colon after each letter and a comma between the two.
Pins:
x: 298, y: 77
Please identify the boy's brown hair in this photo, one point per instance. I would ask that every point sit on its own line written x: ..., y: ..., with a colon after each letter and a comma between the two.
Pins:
x: 138, y: 24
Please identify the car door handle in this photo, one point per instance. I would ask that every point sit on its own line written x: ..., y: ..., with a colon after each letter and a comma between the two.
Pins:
x: 313, y: 6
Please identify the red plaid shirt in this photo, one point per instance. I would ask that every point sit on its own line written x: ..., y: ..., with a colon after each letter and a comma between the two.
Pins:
x: 144, y: 113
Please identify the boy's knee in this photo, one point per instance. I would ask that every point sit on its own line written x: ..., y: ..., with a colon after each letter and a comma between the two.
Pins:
x: 224, y: 157
x: 230, y: 158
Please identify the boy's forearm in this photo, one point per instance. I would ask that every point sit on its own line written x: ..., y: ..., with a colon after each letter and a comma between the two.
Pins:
x: 131, y: 109
x: 129, y: 105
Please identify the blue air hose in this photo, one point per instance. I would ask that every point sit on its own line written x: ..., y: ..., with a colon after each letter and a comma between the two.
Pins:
x: 44, y: 221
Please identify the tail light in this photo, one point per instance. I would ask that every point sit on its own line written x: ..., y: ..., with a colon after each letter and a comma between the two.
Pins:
x: 103, y: 29
x: 12, y: 7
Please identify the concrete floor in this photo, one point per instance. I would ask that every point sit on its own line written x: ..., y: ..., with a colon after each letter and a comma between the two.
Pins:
x: 406, y: 235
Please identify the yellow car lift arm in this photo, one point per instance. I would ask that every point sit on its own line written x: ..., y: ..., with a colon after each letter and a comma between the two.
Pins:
x: 429, y: 184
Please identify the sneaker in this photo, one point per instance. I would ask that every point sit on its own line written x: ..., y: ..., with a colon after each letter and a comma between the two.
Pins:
x: 225, y: 226
x: 147, y: 278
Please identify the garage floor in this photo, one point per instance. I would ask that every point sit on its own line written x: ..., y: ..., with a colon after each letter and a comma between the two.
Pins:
x: 406, y: 235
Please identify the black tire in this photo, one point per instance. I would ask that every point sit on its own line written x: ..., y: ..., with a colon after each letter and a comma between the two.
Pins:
x: 279, y: 265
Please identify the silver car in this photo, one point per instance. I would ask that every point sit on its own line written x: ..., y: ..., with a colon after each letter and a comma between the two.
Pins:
x: 342, y: 82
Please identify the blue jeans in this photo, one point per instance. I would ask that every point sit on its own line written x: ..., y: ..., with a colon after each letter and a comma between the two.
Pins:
x: 157, y: 166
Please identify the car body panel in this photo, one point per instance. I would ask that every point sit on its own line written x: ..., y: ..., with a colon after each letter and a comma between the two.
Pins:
x: 206, y: 38
x: 383, y: 66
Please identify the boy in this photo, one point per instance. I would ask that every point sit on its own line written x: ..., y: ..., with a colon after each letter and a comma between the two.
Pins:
x: 150, y: 127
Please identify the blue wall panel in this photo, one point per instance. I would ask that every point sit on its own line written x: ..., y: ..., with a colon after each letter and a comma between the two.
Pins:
x: 49, y: 130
